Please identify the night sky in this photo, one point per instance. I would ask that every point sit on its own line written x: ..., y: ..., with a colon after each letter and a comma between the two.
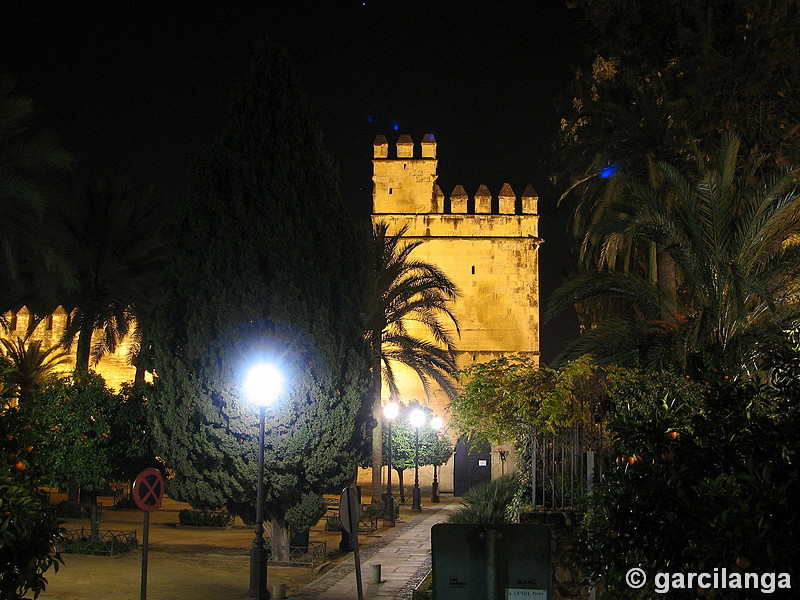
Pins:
x: 141, y: 89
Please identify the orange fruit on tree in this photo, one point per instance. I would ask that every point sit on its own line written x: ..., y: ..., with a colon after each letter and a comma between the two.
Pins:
x: 20, y: 466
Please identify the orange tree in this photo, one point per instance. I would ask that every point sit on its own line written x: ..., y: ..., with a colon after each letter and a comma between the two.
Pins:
x: 92, y: 433
x: 27, y: 531
x: 704, y: 476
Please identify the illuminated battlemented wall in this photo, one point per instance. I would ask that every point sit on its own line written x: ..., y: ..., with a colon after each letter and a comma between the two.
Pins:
x: 489, y: 246
x: 115, y: 368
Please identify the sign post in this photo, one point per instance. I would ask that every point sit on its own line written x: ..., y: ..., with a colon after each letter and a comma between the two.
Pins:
x: 350, y: 515
x: 491, y: 562
x: 148, y: 491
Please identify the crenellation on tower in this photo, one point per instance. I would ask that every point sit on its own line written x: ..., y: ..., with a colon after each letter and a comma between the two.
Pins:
x: 380, y: 147
x: 428, y: 146
x: 438, y: 199
x: 507, y: 200
x: 458, y: 200
x: 483, y: 200
x: 405, y: 146
x: 405, y: 184
x: 530, y: 201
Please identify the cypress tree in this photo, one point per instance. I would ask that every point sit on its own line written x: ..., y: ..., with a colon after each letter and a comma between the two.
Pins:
x: 265, y: 263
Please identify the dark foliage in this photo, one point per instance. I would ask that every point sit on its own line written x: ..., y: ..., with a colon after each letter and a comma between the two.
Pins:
x: 265, y: 265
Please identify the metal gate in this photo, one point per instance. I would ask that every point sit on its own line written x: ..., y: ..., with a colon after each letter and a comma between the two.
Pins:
x: 472, y: 464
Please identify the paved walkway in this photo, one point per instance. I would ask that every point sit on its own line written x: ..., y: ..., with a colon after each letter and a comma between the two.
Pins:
x: 404, y: 555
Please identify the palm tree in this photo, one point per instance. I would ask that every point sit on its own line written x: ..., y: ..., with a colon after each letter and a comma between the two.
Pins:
x: 30, y: 364
x: 724, y: 240
x: 404, y: 295
x: 113, y: 236
x: 30, y: 266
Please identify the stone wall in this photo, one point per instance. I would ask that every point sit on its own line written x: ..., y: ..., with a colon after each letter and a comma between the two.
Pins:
x: 487, y: 244
x: 114, y: 368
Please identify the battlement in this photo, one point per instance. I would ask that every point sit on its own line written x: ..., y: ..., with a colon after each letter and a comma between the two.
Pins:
x: 483, y: 201
x: 405, y: 183
x: 405, y: 147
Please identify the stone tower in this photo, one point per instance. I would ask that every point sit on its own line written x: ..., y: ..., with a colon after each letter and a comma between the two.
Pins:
x: 488, y: 246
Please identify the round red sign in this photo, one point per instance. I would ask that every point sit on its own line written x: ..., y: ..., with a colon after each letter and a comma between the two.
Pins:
x: 148, y: 489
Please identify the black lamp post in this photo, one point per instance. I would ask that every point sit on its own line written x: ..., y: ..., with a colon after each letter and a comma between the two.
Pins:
x: 389, y: 412
x: 417, y: 420
x: 262, y: 387
x: 436, y: 425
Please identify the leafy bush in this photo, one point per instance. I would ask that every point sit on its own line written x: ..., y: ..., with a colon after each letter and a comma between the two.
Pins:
x: 93, y: 433
x: 204, y: 518
x: 306, y: 513
x: 704, y: 476
x: 488, y: 502
x: 371, y: 511
x: 27, y: 530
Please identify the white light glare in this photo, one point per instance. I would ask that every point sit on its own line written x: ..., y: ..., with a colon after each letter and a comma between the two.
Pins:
x: 263, y: 384
x: 417, y: 417
x: 390, y: 410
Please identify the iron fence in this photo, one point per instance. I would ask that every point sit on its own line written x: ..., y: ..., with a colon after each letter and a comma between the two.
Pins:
x: 366, y: 524
x: 106, y: 542
x: 303, y: 556
x: 562, y: 469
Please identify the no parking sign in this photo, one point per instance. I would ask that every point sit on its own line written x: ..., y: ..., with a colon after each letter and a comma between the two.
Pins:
x: 148, y: 492
x: 148, y: 489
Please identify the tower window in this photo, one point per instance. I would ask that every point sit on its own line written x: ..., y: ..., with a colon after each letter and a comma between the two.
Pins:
x: 390, y: 191
x: 12, y: 323
x: 473, y: 269
x: 49, y: 322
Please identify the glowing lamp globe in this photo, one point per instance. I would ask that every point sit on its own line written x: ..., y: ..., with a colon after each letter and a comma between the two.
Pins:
x: 417, y: 417
x: 390, y: 410
x: 436, y: 423
x: 263, y: 384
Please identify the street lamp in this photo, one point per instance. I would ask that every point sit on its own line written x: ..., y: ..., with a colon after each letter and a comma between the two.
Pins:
x: 390, y: 413
x: 262, y: 387
x: 436, y: 425
x: 417, y: 420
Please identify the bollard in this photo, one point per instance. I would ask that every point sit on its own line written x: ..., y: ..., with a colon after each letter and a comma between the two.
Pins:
x: 374, y: 575
x: 279, y: 591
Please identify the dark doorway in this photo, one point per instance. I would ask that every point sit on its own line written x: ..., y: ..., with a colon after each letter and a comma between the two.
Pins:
x: 471, y: 465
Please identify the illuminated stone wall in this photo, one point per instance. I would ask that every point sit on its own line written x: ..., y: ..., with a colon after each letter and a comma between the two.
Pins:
x: 115, y: 368
x: 490, y: 252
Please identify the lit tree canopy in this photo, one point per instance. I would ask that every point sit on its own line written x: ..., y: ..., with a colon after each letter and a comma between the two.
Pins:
x: 434, y: 446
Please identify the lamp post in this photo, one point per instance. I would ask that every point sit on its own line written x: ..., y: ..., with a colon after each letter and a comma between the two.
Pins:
x: 262, y: 387
x: 390, y: 413
x: 436, y: 425
x: 417, y: 420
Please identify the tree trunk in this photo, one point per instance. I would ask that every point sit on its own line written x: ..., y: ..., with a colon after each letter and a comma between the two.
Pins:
x: 73, y: 492
x: 84, y: 349
x: 668, y: 282
x: 377, y: 414
x: 279, y: 539
x: 95, y: 520
x: 400, y: 485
